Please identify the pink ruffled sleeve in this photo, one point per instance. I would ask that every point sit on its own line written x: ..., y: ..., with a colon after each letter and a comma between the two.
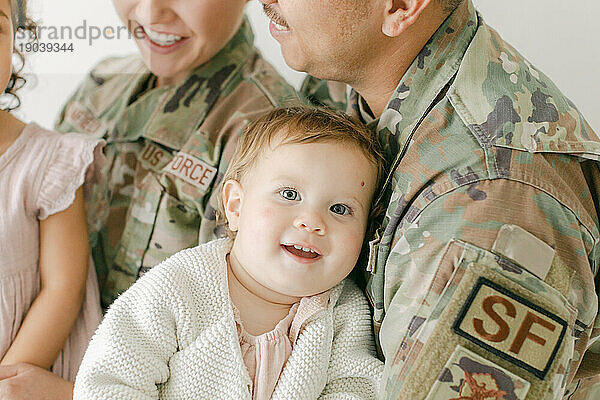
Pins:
x: 73, y: 155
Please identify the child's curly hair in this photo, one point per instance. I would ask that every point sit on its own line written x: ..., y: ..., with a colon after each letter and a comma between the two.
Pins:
x: 22, y: 24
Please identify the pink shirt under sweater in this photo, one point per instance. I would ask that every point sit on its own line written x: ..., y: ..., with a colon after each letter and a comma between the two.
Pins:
x: 265, y: 355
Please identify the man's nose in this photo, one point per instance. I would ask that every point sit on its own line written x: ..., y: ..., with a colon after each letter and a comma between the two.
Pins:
x: 310, y: 222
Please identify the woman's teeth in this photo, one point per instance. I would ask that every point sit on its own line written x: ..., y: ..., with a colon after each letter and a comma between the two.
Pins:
x: 162, y: 39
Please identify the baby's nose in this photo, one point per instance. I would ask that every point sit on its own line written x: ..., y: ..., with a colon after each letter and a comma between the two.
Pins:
x: 310, y: 223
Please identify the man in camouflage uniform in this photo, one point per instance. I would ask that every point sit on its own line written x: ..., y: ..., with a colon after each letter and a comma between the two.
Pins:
x: 483, y: 276
x: 167, y: 150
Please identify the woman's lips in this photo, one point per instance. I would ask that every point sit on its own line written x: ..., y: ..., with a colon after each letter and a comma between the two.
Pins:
x: 155, y: 47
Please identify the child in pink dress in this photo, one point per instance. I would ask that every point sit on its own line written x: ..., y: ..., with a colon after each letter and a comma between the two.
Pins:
x: 49, y: 305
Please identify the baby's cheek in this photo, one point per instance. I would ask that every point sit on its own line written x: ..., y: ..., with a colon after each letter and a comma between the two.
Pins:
x: 261, y: 220
x: 266, y: 213
x: 353, y: 241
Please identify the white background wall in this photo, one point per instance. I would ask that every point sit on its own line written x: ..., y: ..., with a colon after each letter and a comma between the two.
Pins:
x: 559, y: 37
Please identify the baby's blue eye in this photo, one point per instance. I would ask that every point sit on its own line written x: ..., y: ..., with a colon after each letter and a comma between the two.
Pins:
x: 289, y: 194
x: 340, y: 209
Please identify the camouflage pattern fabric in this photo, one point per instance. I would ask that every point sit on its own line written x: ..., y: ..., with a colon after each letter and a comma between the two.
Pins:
x: 466, y: 375
x: 167, y: 149
x: 483, y: 151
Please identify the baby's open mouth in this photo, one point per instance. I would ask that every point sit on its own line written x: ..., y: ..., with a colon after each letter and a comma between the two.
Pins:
x: 300, y: 251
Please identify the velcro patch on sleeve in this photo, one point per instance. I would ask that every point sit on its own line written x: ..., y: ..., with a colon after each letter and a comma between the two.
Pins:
x: 153, y: 157
x: 525, y: 249
x: 466, y: 375
x: 192, y: 170
x: 511, y: 327
x: 84, y: 121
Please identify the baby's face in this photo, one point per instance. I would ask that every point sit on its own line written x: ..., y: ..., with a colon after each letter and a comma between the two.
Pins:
x: 176, y: 36
x: 6, y: 44
x: 302, y: 217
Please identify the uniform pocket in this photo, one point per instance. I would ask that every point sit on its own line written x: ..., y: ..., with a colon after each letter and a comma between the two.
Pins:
x: 175, y: 228
x: 515, y: 330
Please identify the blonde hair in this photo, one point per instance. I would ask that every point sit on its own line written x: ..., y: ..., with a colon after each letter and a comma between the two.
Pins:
x: 302, y: 124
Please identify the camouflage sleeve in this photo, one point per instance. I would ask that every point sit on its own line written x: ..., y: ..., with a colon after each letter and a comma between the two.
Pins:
x: 89, y: 82
x: 490, y: 277
x: 323, y: 93
x: 85, y: 85
x: 59, y: 124
x: 584, y: 389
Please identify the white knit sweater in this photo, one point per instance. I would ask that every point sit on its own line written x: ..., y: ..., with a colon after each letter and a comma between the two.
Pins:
x: 172, y: 335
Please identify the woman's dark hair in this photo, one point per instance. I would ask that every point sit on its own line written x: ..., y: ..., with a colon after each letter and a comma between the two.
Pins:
x: 23, y: 27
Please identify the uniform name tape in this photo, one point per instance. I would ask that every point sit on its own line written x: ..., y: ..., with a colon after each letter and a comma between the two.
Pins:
x: 511, y: 327
x: 192, y: 170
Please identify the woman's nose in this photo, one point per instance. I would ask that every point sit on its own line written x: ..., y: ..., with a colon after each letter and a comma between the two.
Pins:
x: 153, y: 12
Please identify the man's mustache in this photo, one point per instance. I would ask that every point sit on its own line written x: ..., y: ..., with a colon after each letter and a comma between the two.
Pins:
x: 273, y: 15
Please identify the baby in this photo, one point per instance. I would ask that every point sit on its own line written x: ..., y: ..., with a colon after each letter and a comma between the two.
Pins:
x: 265, y: 313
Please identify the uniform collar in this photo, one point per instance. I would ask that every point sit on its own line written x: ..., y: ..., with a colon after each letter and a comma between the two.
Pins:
x: 176, y: 111
x: 182, y: 109
x: 427, y: 77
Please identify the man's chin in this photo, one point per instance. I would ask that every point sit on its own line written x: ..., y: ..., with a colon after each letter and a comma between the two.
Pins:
x: 294, y: 62
x: 319, y: 70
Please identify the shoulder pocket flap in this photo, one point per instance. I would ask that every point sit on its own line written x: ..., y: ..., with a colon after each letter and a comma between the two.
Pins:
x: 502, y: 313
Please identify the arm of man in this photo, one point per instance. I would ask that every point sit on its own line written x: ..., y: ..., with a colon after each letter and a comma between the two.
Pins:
x: 354, y: 371
x: 499, y: 269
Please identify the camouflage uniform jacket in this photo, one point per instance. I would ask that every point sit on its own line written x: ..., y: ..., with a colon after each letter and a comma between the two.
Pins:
x: 167, y: 150
x: 489, y: 248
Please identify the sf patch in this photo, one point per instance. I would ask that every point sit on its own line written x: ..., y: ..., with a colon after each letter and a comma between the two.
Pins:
x: 511, y: 327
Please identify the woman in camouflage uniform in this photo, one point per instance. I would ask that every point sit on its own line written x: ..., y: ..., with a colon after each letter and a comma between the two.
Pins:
x: 171, y: 116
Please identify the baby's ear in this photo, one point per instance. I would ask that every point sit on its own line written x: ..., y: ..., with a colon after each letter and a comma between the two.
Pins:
x: 233, y: 196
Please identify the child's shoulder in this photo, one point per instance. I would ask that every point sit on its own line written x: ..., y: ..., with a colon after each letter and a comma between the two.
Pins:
x: 347, y: 294
x: 203, y: 265
x: 57, y: 165
x: 192, y: 281
x: 37, y: 145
